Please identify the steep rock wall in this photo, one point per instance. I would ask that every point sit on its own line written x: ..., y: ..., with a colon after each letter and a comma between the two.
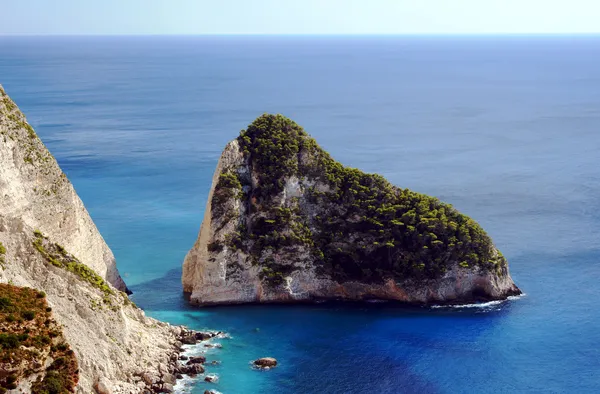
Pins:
x: 35, y: 190
x: 48, y: 242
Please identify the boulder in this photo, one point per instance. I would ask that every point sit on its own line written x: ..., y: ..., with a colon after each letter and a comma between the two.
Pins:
x: 102, y: 386
x: 196, y: 360
x: 203, y: 336
x: 193, y: 369
x: 168, y: 378
x: 149, y: 378
x: 189, y: 339
x: 265, y: 362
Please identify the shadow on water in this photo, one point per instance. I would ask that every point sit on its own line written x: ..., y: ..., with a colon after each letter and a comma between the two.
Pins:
x: 379, y: 340
x: 161, y: 294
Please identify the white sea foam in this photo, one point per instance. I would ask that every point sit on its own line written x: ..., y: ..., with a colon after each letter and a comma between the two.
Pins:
x: 187, y: 383
x: 482, y: 305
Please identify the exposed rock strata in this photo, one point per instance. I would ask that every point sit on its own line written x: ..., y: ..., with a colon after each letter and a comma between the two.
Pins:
x: 270, y: 232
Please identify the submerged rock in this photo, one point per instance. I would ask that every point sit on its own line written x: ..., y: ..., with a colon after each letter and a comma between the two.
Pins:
x: 284, y: 222
x: 212, y: 378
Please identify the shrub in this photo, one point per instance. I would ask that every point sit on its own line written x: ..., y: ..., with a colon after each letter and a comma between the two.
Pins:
x: 28, y: 315
x: 9, y: 341
x: 5, y: 303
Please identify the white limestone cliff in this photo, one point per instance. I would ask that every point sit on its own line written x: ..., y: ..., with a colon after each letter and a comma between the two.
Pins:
x: 114, y: 342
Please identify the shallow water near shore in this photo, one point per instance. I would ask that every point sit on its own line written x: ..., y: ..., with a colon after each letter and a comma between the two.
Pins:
x: 505, y: 129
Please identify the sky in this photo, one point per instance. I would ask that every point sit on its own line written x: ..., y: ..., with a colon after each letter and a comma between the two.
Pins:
x: 133, y: 17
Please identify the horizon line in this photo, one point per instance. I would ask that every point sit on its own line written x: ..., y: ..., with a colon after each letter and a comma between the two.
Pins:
x: 428, y: 34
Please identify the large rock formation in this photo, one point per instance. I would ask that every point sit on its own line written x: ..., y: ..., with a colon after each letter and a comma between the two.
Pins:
x: 49, y: 243
x: 36, y: 192
x: 284, y: 222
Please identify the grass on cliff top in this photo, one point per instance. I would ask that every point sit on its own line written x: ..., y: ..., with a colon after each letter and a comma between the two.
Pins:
x: 29, y: 336
x: 366, y: 228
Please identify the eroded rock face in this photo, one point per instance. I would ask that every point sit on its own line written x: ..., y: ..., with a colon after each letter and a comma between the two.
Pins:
x: 49, y: 243
x: 37, y: 193
x: 285, y: 223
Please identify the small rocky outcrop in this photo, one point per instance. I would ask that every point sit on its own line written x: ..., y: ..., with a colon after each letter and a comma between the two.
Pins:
x: 265, y: 362
x: 284, y: 222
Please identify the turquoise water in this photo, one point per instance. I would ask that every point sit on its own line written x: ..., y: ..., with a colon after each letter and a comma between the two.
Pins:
x: 504, y: 129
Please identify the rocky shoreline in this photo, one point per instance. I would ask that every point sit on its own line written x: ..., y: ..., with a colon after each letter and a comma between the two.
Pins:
x: 166, y: 379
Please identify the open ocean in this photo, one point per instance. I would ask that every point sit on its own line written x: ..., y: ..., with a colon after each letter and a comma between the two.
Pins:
x: 505, y: 129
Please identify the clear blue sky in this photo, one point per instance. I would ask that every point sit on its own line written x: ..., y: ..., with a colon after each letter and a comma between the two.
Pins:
x: 298, y: 16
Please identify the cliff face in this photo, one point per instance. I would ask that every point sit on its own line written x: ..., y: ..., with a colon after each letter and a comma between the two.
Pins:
x: 49, y: 243
x: 36, y: 192
x: 284, y: 222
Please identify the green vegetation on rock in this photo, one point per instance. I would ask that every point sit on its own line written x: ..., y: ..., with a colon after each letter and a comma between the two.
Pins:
x: 14, y: 126
x: 357, y: 226
x: 56, y: 255
x: 228, y: 186
x: 28, y: 337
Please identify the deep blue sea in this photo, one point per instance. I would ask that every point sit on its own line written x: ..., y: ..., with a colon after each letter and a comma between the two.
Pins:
x: 505, y: 129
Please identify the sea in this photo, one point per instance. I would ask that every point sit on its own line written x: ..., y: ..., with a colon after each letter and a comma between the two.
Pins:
x: 505, y: 128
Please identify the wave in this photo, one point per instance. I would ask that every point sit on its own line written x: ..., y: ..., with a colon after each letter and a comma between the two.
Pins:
x: 184, y: 385
x: 187, y: 383
x: 481, y: 305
